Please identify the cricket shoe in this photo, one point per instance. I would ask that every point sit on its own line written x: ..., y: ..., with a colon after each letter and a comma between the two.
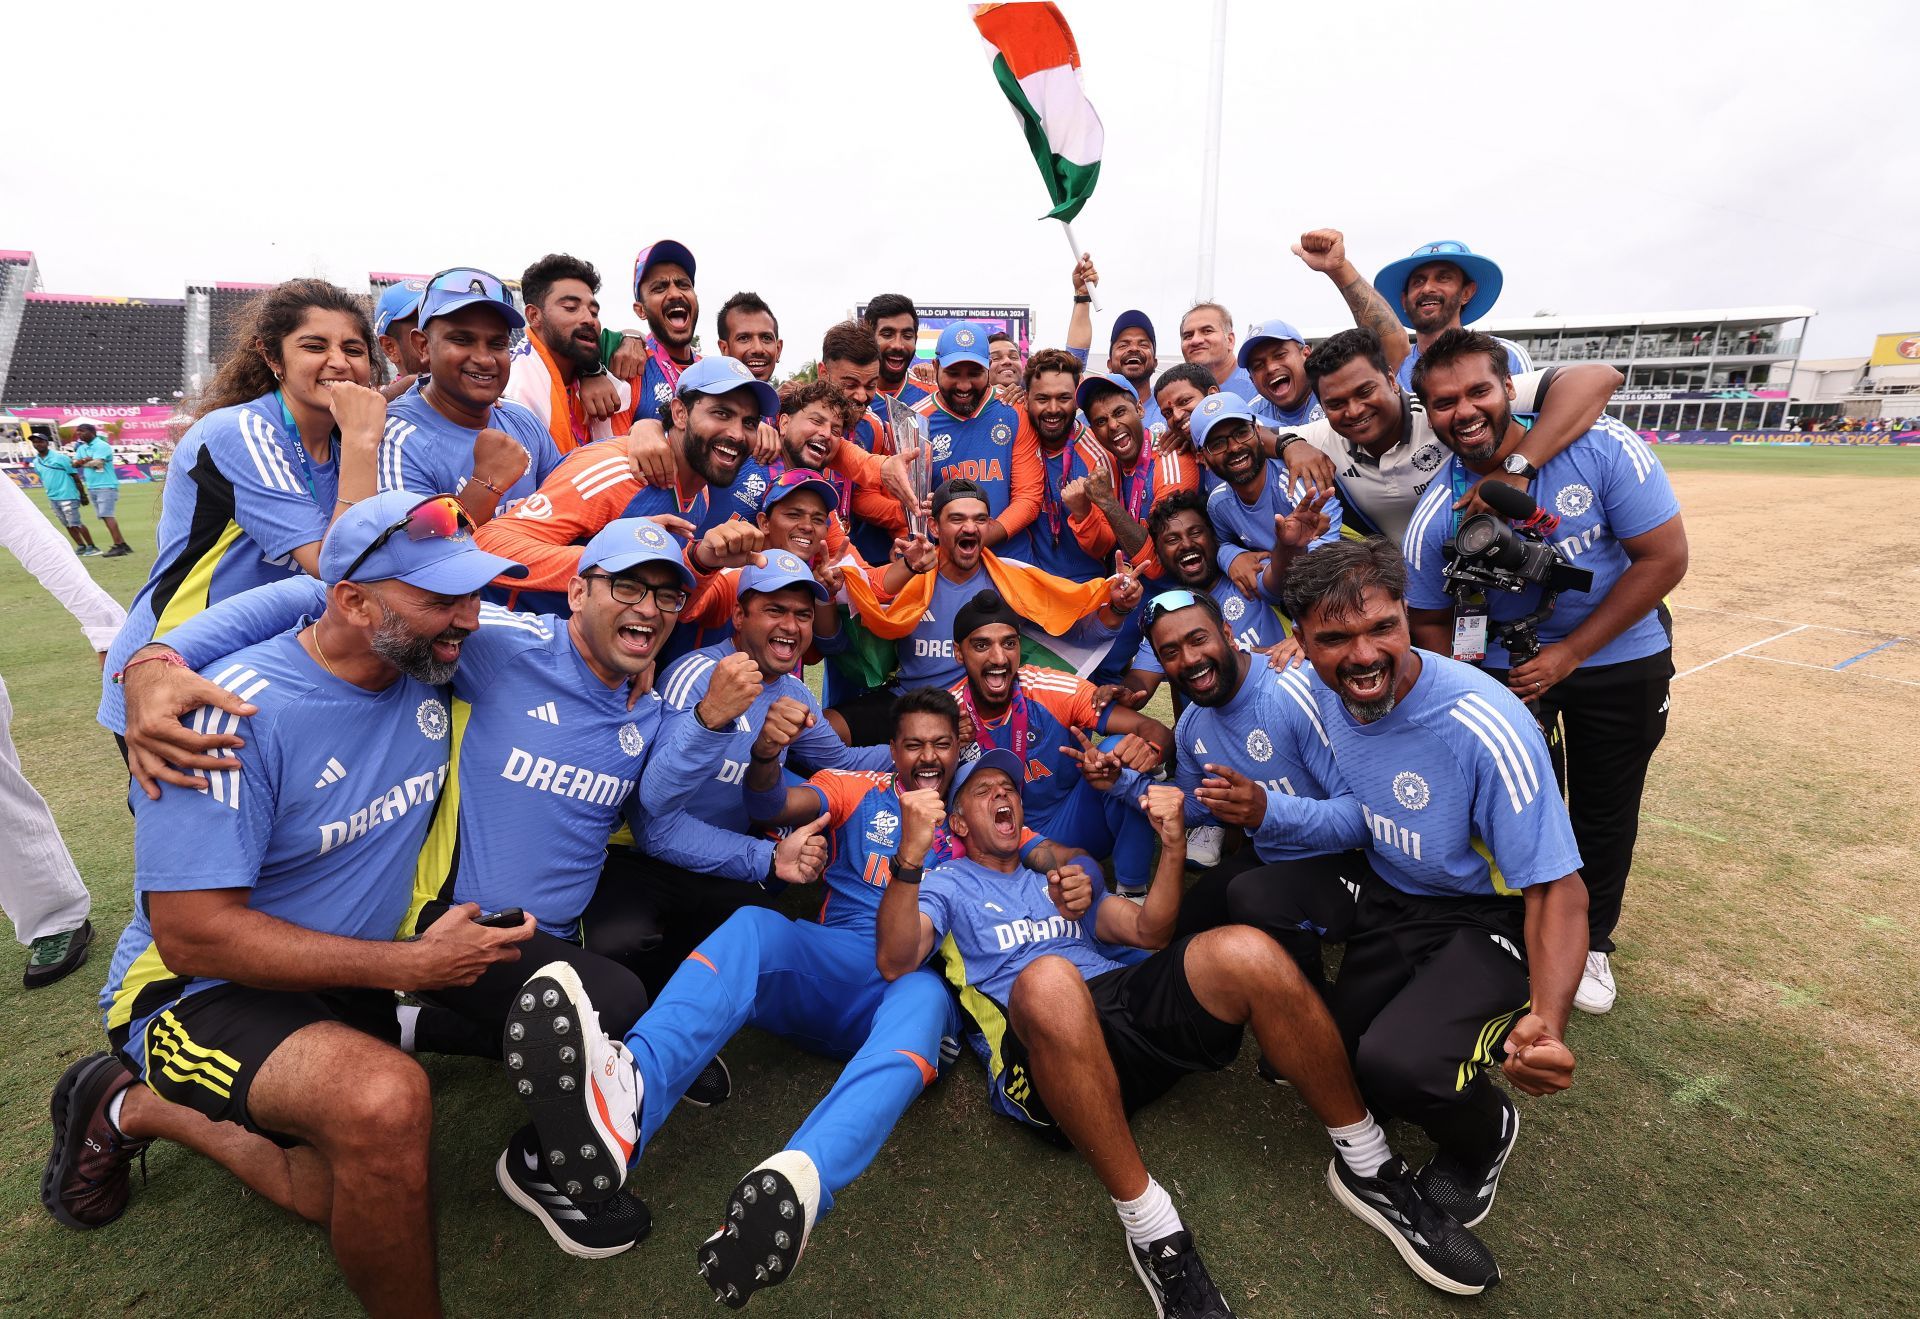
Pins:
x: 1204, y: 842
x: 1441, y: 1253
x: 713, y: 1086
x: 86, y: 1182
x: 579, y: 1087
x: 769, y: 1217
x: 1597, y: 990
x: 585, y: 1229
x: 1466, y: 1189
x: 1176, y: 1279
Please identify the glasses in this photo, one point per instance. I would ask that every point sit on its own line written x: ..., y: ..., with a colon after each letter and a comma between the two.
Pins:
x: 439, y: 518
x: 463, y: 280
x: 633, y: 591
x: 1169, y: 601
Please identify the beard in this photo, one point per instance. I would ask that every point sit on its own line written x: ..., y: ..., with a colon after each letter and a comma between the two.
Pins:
x: 1368, y: 712
x: 413, y: 654
x: 584, y: 356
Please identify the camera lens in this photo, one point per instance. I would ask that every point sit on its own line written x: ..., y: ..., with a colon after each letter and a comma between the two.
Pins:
x: 1477, y: 535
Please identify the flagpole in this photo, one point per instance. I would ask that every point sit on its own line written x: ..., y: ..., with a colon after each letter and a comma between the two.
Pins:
x: 1210, y: 167
x: 1093, y: 290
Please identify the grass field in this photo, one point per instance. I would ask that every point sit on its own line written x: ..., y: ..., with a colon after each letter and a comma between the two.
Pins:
x: 1741, y: 1137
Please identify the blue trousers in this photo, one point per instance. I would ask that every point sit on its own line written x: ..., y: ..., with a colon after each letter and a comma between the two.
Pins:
x: 1101, y: 824
x: 815, y: 987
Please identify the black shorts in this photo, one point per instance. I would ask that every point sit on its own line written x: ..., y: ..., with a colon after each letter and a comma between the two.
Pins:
x: 203, y: 1051
x: 1156, y: 1033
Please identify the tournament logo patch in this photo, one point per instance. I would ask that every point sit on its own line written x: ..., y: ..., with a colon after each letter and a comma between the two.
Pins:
x: 942, y: 447
x: 1410, y: 790
x: 1233, y: 608
x: 1573, y: 500
x: 631, y: 741
x: 1428, y: 457
x: 1259, y: 747
x: 972, y: 751
x: 755, y: 486
x: 663, y: 393
x: 432, y: 718
x: 1001, y: 433
x: 884, y: 829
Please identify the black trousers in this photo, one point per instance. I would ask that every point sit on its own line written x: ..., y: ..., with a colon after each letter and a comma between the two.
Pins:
x: 1428, y: 987
x: 649, y: 914
x: 1609, y: 721
x: 1204, y: 904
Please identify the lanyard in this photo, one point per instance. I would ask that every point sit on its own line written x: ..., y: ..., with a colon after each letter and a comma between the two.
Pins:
x: 1141, y: 483
x: 668, y: 367
x: 1016, y: 724
x: 1053, y: 492
x: 299, y: 445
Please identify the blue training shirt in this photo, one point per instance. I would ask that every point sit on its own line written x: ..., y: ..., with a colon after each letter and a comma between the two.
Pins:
x: 1274, y: 418
x: 423, y: 451
x: 1242, y: 527
x: 988, y: 927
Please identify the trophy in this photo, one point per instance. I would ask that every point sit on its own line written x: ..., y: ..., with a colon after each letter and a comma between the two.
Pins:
x: 910, y: 430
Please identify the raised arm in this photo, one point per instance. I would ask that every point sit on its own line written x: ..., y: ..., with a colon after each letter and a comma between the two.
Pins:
x: 1325, y: 250
x: 903, y: 934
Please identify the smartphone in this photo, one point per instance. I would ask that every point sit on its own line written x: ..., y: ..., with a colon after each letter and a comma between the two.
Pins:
x: 501, y: 920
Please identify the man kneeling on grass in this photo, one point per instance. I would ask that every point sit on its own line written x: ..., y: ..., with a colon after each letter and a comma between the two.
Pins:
x: 1087, y: 1030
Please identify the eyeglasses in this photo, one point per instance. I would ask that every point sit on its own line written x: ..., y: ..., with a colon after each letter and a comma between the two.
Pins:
x: 438, y: 518
x: 1169, y: 601
x: 463, y: 279
x: 633, y: 591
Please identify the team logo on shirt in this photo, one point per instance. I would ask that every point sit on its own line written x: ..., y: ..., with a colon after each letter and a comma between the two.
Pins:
x: 1573, y: 500
x: 1428, y: 457
x: 754, y: 486
x: 630, y: 740
x: 942, y: 448
x: 536, y: 507
x: 1233, y: 608
x: 432, y: 718
x: 1410, y: 790
x: 1001, y: 432
x: 972, y: 751
x: 1259, y: 746
x: 884, y: 829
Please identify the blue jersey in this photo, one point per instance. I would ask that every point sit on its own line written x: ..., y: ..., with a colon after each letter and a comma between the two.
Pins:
x: 863, y: 812
x: 1278, y: 419
x: 996, y: 450
x: 1606, y: 487
x: 926, y: 653
x: 1243, y: 527
x: 1240, y: 384
x: 425, y: 452
x: 1518, y: 363
x: 1046, y: 704
x: 988, y: 927
x: 1456, y: 794
x: 695, y: 774
x: 106, y: 476
x: 57, y: 475
x: 242, y: 494
x: 653, y: 388
x: 321, y: 817
x: 1253, y: 624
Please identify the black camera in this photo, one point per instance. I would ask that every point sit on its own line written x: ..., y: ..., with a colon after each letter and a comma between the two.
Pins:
x: 1489, y: 554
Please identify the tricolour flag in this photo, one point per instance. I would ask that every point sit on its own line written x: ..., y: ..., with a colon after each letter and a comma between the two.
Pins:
x: 1038, y: 67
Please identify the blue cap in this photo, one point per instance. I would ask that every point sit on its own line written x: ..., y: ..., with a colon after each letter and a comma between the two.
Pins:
x: 781, y: 570
x: 654, y: 253
x: 447, y: 565
x: 1269, y: 332
x: 630, y: 542
x: 1213, y: 409
x: 461, y: 287
x: 1485, y: 275
x: 963, y: 341
x: 398, y: 302
x: 996, y: 758
x: 1131, y: 320
x: 723, y: 375
x: 796, y: 479
x: 1096, y: 383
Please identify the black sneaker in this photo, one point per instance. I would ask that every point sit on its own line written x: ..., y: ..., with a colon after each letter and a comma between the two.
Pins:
x: 769, y: 1217
x: 713, y: 1086
x: 86, y: 1182
x: 55, y: 956
x: 584, y: 1229
x: 1430, y: 1240
x: 1174, y: 1276
x: 1465, y: 1188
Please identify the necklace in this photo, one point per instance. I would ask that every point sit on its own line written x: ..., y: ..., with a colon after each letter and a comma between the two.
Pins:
x: 320, y: 650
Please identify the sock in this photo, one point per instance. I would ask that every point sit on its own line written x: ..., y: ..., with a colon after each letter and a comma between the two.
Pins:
x: 409, y: 1015
x: 1363, y: 1145
x: 113, y: 1109
x: 1149, y: 1217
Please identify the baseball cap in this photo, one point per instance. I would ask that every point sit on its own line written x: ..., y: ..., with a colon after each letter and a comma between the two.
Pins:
x: 398, y: 536
x: 628, y: 543
x: 723, y: 375
x: 1269, y: 332
x: 1392, y: 281
x: 963, y: 341
x: 796, y: 479
x: 459, y: 287
x: 997, y: 758
x: 1096, y: 383
x: 398, y: 302
x: 1213, y: 409
x: 985, y: 607
x: 666, y: 249
x: 957, y: 487
x: 782, y: 569
x: 1132, y: 320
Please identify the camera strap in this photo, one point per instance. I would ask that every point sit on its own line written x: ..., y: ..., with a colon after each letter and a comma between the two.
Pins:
x: 1469, y: 612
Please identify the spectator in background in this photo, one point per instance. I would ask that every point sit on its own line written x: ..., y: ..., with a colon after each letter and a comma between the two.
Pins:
x: 92, y: 452
x: 61, y: 480
x: 40, y: 887
x: 1004, y: 363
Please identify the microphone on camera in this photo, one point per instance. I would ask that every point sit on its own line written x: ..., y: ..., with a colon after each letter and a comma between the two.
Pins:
x: 1517, y: 506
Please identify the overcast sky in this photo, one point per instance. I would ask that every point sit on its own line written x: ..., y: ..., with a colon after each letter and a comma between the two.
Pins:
x: 1640, y: 157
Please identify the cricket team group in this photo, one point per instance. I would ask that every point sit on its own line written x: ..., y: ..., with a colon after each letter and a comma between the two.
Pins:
x: 466, y: 711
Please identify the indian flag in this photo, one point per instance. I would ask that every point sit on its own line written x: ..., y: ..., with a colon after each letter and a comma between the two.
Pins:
x: 1038, y: 67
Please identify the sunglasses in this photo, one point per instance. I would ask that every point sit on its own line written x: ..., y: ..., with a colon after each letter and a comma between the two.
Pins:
x: 464, y: 280
x: 1168, y: 602
x: 438, y: 518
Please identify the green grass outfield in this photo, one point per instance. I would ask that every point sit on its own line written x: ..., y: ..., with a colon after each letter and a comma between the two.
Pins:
x: 1705, y: 1161
x: 1871, y: 461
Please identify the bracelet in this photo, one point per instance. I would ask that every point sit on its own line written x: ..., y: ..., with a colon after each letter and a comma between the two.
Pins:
x: 1083, y: 297
x: 908, y: 873
x: 497, y: 491
x: 172, y: 657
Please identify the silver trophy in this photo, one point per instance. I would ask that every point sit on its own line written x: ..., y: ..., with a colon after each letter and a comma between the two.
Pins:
x: 910, y: 430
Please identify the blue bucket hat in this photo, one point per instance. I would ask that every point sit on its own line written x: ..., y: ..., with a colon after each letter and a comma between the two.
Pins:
x: 1481, y: 271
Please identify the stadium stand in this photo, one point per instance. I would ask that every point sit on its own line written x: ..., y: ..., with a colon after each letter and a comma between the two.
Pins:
x: 19, y: 276
x: 224, y: 304
x: 73, y: 348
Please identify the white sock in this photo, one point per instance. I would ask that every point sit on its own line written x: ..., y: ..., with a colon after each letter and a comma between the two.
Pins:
x: 1363, y: 1145
x: 1149, y: 1217
x: 114, y: 1106
x: 409, y: 1015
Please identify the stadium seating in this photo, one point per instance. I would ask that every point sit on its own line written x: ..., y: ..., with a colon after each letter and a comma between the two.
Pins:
x: 225, y: 302
x: 107, y: 351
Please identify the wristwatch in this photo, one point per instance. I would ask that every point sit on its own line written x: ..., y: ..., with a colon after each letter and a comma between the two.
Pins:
x: 1514, y: 465
x: 598, y: 368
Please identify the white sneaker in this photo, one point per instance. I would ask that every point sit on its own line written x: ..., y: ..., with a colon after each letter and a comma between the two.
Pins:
x: 1204, y: 842
x: 1597, y: 990
x: 769, y: 1217
x: 579, y: 1087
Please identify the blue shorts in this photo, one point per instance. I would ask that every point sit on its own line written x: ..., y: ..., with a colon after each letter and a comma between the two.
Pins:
x: 105, y: 499
x: 67, y: 510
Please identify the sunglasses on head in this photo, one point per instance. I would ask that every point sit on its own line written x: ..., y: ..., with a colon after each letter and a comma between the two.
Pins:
x: 465, y: 279
x: 1168, y: 602
x: 438, y: 518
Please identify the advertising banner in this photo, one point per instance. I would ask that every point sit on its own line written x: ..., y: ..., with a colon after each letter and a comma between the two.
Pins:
x: 1805, y: 438
x: 1895, y: 350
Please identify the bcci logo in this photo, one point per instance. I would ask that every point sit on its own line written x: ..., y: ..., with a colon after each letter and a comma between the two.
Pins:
x: 646, y: 533
x: 1573, y: 500
x: 630, y: 740
x: 734, y: 365
x: 963, y: 337
x: 883, y: 829
x: 1259, y: 747
x: 785, y: 562
x: 1428, y: 457
x: 1410, y: 790
x: 432, y: 718
x: 1213, y: 405
x: 1233, y: 608
x: 1001, y: 433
